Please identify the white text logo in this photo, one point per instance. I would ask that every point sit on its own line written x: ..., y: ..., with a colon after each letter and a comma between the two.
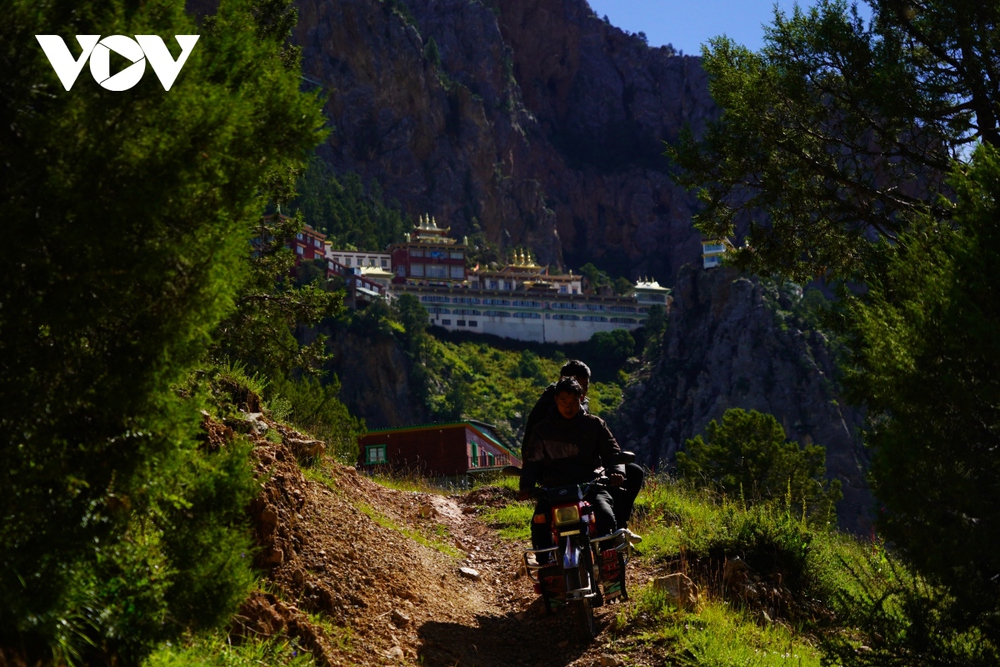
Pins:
x: 138, y: 51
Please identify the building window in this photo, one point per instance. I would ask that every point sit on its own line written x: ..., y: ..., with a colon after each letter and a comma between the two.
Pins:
x: 416, y: 252
x: 446, y: 323
x: 473, y: 455
x: 375, y: 454
x: 299, y: 250
x: 385, y: 263
x: 316, y: 243
x: 458, y: 272
x: 457, y: 255
x: 417, y: 270
x: 461, y: 323
x: 473, y: 323
x: 299, y: 236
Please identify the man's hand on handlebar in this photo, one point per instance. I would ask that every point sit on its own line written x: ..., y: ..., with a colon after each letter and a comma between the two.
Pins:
x: 616, y: 479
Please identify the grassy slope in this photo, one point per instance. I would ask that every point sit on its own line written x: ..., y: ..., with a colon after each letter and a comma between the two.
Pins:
x: 498, y: 386
x: 697, y: 533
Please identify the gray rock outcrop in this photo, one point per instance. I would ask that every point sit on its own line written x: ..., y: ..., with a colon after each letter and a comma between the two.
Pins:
x: 724, y: 347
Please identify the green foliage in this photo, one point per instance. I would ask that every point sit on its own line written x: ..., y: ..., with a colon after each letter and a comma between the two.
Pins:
x: 481, y: 252
x: 474, y: 380
x: 902, y: 620
x: 402, y: 10
x: 260, y: 331
x: 656, y: 325
x: 409, y: 312
x: 747, y: 456
x: 839, y: 131
x: 351, y: 215
x: 217, y: 650
x: 313, y: 406
x: 432, y: 53
x: 612, y: 348
x: 622, y: 285
x: 717, y: 636
x: 126, y: 220
x: 530, y: 367
x: 843, y: 135
x: 264, y: 334
x: 789, y: 304
x: 924, y: 356
x: 594, y: 276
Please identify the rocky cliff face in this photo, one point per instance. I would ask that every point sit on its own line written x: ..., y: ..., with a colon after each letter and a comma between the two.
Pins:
x: 542, y: 124
x: 725, y: 348
x: 374, y: 378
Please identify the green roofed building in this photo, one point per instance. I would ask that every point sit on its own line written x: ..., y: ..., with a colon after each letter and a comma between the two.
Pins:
x: 437, y: 450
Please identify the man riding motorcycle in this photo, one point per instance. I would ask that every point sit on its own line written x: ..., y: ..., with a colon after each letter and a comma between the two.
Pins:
x: 623, y: 495
x: 570, y: 447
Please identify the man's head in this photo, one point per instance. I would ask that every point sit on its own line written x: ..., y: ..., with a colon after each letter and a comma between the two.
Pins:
x: 574, y: 368
x: 569, y: 393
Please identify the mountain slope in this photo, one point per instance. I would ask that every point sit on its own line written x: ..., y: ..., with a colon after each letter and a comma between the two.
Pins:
x: 542, y: 125
x: 725, y: 347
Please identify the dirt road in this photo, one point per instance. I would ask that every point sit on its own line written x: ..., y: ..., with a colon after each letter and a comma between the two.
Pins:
x: 360, y: 574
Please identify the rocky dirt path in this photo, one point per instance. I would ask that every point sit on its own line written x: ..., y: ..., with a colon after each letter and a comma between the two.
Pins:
x: 360, y: 574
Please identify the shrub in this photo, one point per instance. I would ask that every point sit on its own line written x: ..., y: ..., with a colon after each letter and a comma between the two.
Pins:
x: 747, y: 456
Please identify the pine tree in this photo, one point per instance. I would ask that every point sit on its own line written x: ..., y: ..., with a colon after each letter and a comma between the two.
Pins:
x: 126, y: 220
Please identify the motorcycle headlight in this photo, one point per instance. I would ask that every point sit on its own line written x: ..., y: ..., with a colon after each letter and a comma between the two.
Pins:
x: 568, y: 514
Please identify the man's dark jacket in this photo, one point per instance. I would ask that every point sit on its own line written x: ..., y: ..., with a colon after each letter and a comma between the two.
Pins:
x: 544, y: 406
x: 568, y: 451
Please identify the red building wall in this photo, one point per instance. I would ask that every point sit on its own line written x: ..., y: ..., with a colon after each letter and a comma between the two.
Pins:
x: 445, y: 450
x: 431, y: 256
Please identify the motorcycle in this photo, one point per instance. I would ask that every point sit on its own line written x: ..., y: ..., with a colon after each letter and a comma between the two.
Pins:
x: 583, y: 570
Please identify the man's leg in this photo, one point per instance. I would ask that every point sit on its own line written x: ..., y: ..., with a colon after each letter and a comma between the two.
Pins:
x: 604, y: 515
x: 541, y: 535
x: 624, y: 496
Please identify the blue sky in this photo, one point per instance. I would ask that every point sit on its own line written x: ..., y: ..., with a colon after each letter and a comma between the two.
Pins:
x: 688, y: 23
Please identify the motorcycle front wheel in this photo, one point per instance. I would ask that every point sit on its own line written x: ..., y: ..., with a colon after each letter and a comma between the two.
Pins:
x: 585, y: 619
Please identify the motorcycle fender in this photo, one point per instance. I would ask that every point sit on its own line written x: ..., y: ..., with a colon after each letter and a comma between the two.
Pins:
x: 571, y: 555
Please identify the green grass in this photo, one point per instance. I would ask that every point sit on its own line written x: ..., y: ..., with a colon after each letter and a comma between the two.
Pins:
x: 512, y: 521
x: 718, y: 636
x: 320, y: 473
x: 418, y: 537
x: 339, y: 636
x: 498, y: 481
x: 407, y: 482
x: 216, y: 650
